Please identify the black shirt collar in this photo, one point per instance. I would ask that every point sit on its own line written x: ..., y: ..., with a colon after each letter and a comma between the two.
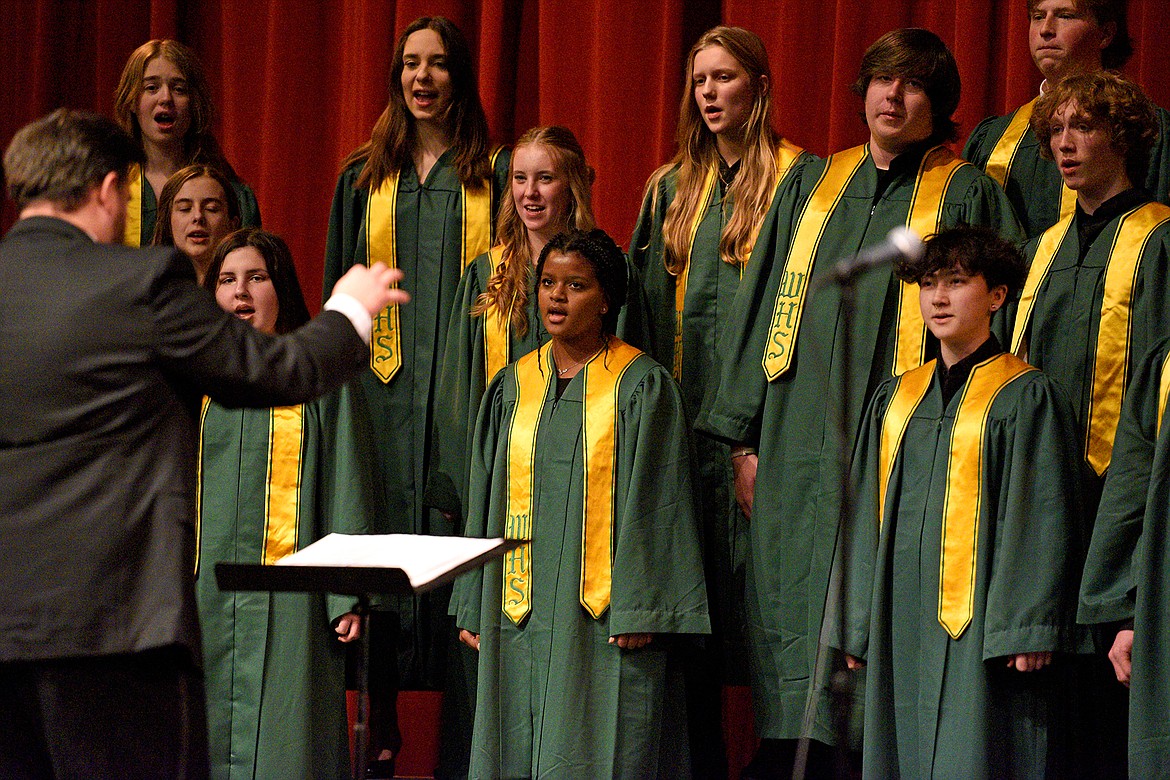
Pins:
x: 953, y: 378
x: 1089, y: 226
x: 727, y: 172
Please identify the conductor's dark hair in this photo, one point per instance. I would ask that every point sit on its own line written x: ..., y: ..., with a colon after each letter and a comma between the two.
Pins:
x: 607, y: 261
x: 60, y: 157
x: 293, y: 312
x: 974, y: 250
x: 915, y: 53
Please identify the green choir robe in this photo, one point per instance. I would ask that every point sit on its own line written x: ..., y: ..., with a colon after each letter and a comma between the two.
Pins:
x: 249, y: 209
x: 793, y: 422
x: 1126, y: 574
x: 429, y: 237
x: 556, y: 700
x: 274, y: 670
x: 939, y: 707
x: 1061, y: 338
x: 1034, y: 183
x: 710, y: 290
x: 463, y: 376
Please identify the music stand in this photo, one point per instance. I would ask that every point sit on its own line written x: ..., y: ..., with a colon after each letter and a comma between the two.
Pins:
x: 361, y: 582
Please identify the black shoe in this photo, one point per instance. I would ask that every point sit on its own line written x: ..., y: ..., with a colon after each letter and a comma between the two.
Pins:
x: 380, y: 769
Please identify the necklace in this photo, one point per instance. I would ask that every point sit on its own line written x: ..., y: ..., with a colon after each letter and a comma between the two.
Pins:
x: 575, y: 363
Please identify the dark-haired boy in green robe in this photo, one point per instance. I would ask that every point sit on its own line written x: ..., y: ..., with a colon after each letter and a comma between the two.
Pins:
x: 962, y: 558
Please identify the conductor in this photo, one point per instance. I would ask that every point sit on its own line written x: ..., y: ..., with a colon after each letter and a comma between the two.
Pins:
x: 105, y: 352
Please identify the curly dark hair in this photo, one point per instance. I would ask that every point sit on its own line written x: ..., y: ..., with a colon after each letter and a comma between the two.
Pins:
x: 607, y: 260
x: 917, y: 53
x: 1113, y: 101
x: 973, y: 249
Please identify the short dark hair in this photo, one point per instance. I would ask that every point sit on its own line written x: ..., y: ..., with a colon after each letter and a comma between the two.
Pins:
x: 608, y: 263
x: 1117, y: 103
x: 913, y: 52
x: 973, y: 249
x: 293, y: 312
x: 61, y: 156
x: 1105, y: 12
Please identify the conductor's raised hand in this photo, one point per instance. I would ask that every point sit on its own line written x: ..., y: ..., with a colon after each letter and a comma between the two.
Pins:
x: 372, y: 286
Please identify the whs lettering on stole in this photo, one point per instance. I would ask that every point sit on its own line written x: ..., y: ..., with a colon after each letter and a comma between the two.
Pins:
x: 518, y: 569
x: 785, y: 319
x: 384, y: 344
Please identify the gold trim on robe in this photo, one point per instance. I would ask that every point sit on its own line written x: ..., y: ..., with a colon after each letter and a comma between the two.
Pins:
x: 282, y: 489
x: 938, y: 168
x: 599, y: 419
x: 497, y: 328
x: 1003, y: 155
x: 132, y: 231
x: 381, y: 245
x: 786, y: 154
x: 199, y: 483
x: 785, y: 322
x: 1111, y: 355
x: 601, y: 376
x: 963, y: 502
x: 912, y: 387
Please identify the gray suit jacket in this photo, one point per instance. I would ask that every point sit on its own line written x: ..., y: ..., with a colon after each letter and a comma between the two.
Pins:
x: 105, y: 352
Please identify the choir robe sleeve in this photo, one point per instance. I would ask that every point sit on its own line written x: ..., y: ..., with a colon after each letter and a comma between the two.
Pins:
x: 647, y: 251
x: 1033, y: 484
x: 847, y: 616
x: 658, y: 581
x: 490, y: 425
x: 1109, y: 581
x: 345, y: 221
x: 348, y: 493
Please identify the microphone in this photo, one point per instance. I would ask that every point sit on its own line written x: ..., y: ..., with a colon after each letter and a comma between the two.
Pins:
x: 902, y: 242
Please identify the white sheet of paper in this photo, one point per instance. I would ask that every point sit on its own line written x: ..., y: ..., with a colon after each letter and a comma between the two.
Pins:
x: 423, y: 558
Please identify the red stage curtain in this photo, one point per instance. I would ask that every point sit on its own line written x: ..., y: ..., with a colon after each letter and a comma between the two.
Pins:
x: 299, y: 83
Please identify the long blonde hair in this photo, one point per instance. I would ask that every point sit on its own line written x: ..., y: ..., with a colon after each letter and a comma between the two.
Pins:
x: 507, y: 289
x: 752, y: 190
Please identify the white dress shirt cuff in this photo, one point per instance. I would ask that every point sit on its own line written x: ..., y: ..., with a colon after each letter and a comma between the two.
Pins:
x: 354, y: 311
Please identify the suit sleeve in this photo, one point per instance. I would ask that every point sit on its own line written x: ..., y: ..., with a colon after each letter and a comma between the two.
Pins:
x: 222, y: 356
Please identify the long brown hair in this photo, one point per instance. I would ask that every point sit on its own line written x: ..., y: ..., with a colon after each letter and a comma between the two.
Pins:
x: 508, y: 287
x: 291, y: 312
x: 752, y: 190
x: 389, y: 147
x: 199, y: 144
x: 163, y: 235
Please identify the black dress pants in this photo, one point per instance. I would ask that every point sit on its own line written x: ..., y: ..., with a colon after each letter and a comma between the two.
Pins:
x: 138, y: 715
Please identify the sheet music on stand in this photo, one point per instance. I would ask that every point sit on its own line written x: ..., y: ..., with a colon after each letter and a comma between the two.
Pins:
x: 362, y: 566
